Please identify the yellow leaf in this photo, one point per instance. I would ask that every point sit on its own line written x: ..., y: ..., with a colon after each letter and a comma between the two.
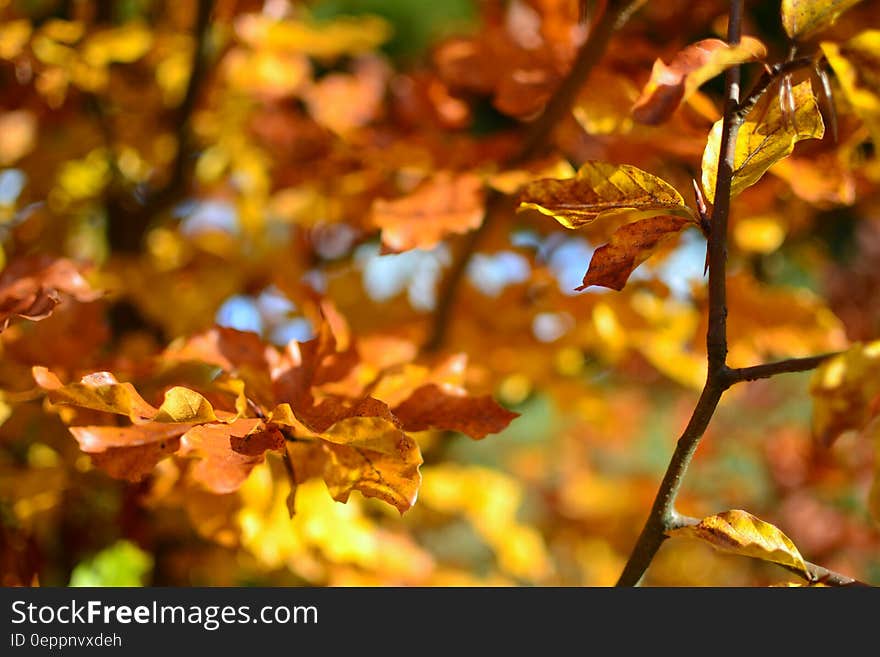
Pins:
x: 802, y: 18
x: 845, y: 390
x: 100, y: 392
x: 185, y: 405
x: 739, y: 532
x: 761, y: 234
x: 765, y: 137
x: 856, y: 64
x: 601, y: 189
x: 346, y: 35
x: 13, y: 37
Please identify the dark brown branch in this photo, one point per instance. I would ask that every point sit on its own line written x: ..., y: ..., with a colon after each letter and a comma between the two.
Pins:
x: 767, y: 370
x: 535, y: 141
x: 129, y: 220
x: 663, y: 515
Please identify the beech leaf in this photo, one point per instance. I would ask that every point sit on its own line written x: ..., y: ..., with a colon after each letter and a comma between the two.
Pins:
x: 764, y: 138
x: 602, y: 189
x: 739, y: 532
x: 802, y: 18
x: 856, y: 63
x: 630, y: 246
x: 846, y: 392
x: 671, y: 84
x: 437, y: 407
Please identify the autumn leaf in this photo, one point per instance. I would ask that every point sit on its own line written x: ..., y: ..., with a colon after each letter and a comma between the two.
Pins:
x: 803, y: 18
x: 599, y: 190
x: 764, y: 138
x: 630, y: 245
x: 226, y: 453
x: 739, y: 532
x: 436, y: 407
x: 846, y: 392
x: 443, y: 205
x: 31, y: 287
x: 671, y: 84
x: 129, y: 452
x: 856, y: 63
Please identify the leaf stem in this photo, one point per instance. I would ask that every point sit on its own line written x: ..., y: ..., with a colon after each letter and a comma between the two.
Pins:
x: 615, y: 16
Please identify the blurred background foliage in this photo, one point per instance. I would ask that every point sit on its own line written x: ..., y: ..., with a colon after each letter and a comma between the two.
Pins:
x: 288, y: 147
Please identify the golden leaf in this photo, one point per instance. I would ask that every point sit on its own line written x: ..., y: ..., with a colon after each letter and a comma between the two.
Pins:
x: 601, y: 189
x: 856, y: 64
x: 739, y: 532
x: 802, y: 18
x: 764, y: 138
x: 846, y: 391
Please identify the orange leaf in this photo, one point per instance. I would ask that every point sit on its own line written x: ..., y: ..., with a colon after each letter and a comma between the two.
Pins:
x: 220, y: 467
x: 443, y: 205
x: 672, y: 83
x: 629, y: 247
x: 433, y: 407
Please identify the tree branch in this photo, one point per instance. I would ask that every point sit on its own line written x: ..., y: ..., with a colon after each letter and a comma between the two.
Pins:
x: 767, y: 370
x: 616, y: 14
x: 663, y: 515
x: 128, y: 222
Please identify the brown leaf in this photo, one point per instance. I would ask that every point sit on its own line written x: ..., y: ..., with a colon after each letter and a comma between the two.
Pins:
x: 434, y: 407
x: 443, y: 205
x: 672, y: 83
x: 31, y: 287
x: 630, y: 246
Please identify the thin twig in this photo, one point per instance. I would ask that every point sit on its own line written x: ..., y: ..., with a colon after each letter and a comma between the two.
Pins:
x: 663, y: 515
x: 767, y: 370
x: 536, y: 140
x: 767, y: 79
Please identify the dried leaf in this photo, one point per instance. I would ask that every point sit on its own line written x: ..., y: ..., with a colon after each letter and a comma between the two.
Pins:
x: 601, y: 189
x: 443, y: 205
x: 764, y: 139
x: 630, y: 246
x: 671, y: 84
x: 442, y: 407
x: 803, y: 18
x: 846, y: 392
x: 742, y: 533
